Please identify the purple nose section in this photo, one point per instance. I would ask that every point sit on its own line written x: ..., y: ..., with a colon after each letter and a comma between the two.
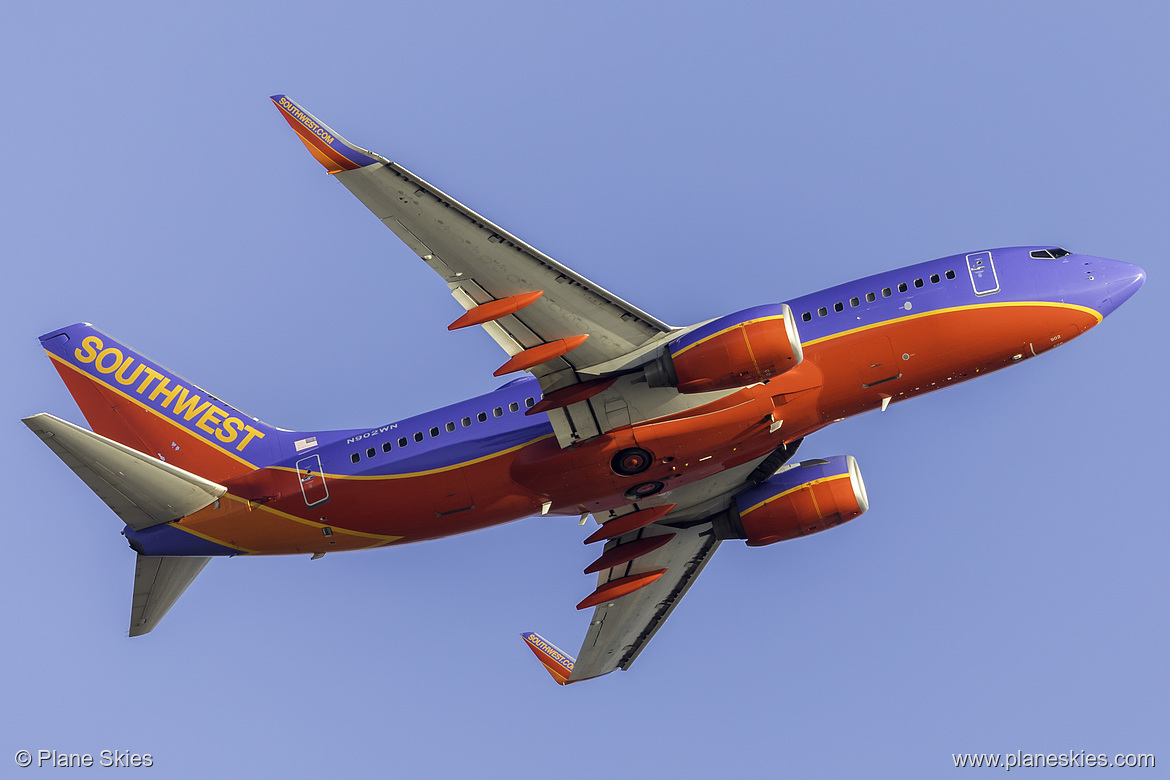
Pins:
x: 1123, y: 281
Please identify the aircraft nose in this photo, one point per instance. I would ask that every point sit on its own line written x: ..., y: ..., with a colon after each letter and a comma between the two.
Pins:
x: 1106, y: 284
x: 1123, y: 282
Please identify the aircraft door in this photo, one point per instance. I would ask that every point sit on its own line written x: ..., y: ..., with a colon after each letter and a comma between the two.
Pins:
x: 983, y: 276
x: 312, y: 480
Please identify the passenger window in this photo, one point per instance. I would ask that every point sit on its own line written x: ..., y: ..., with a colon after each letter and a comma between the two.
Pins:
x: 887, y: 292
x: 371, y: 452
x: 450, y: 427
x: 418, y: 436
x: 838, y: 306
x: 355, y: 457
x: 403, y: 442
x: 498, y: 412
x: 513, y: 407
x: 870, y: 297
x: 902, y: 287
x: 919, y: 283
x: 530, y: 402
x: 465, y: 422
x: 807, y: 316
x: 950, y: 274
x: 854, y: 302
x: 482, y: 417
x: 935, y: 279
x: 821, y: 312
x: 434, y: 431
x: 386, y: 447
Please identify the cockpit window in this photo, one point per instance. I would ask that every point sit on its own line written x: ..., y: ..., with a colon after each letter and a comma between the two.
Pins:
x: 1049, y: 254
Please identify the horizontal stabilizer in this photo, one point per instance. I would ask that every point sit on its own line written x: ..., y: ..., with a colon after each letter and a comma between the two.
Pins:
x: 141, y: 490
x: 158, y: 583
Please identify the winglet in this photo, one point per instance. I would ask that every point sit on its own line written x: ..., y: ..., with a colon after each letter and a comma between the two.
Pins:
x: 558, y: 663
x: 330, y: 149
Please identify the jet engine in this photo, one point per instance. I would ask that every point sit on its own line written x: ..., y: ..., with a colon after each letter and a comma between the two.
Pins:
x: 811, y: 496
x: 734, y: 351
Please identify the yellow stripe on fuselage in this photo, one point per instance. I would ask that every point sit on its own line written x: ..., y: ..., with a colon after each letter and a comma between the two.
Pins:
x: 379, y: 539
x: 439, y: 470
x: 311, y: 523
x: 212, y: 539
x: 969, y: 307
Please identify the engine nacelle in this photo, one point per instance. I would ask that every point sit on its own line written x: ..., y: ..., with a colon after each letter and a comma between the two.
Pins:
x: 733, y: 351
x: 811, y: 496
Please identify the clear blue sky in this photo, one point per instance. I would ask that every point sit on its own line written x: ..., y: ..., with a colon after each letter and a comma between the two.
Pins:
x: 1008, y: 588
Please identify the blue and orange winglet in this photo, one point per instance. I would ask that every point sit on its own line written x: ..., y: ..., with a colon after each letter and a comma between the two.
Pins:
x: 558, y: 663
x: 330, y: 149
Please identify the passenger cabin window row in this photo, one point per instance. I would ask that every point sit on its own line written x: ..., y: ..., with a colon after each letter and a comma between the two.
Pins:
x: 855, y: 301
x: 449, y: 427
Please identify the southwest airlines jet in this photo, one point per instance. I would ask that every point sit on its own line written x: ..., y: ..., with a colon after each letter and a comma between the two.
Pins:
x: 675, y: 439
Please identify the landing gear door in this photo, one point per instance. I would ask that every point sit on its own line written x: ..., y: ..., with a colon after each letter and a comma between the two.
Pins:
x: 982, y: 270
x: 312, y: 480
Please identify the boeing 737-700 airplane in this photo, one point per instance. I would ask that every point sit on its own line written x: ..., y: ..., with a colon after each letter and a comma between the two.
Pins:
x: 673, y: 438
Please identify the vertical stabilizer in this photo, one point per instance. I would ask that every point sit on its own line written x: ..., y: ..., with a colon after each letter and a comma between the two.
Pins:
x: 133, y: 400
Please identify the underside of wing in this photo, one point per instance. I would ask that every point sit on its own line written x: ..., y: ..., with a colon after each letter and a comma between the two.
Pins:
x: 482, y: 263
x: 622, y: 625
x: 651, y: 555
x: 549, y: 319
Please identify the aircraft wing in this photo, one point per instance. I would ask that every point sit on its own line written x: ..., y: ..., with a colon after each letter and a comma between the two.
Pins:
x: 621, y: 628
x: 549, y: 319
x: 643, y: 573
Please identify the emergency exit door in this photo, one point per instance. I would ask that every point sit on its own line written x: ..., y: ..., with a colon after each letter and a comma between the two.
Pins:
x: 312, y: 480
x: 983, y: 276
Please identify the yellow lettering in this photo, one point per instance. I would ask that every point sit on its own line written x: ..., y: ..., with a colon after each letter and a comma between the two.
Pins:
x: 230, y: 430
x: 101, y: 360
x: 92, y: 346
x: 133, y: 377
x: 169, y: 396
x: 213, y: 415
x: 252, y: 432
x: 189, y: 406
x: 152, y: 375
